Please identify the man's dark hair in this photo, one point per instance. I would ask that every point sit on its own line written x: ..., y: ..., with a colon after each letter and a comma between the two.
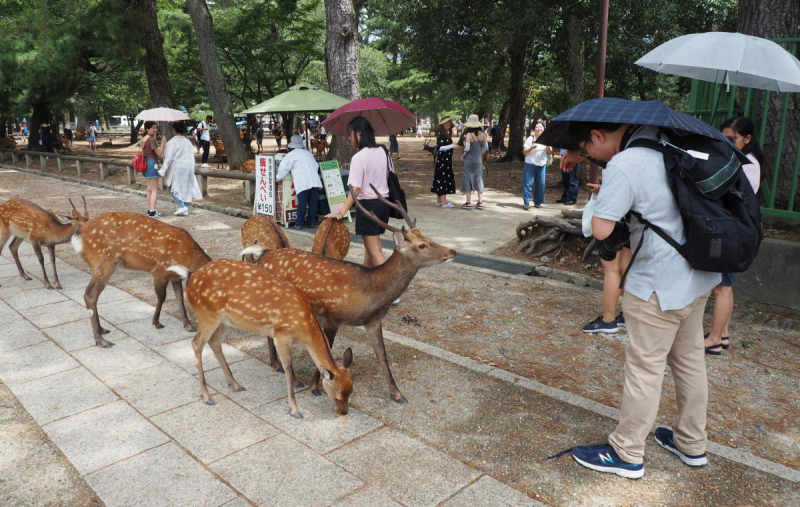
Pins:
x: 209, y: 118
x: 580, y: 131
x: 364, y: 127
x: 179, y: 127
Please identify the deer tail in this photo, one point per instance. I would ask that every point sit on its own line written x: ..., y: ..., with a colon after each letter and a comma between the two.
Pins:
x: 181, y: 271
x: 77, y: 243
x: 255, y: 250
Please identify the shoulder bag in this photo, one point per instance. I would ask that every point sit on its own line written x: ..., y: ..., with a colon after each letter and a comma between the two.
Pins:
x: 396, y: 194
x: 139, y: 162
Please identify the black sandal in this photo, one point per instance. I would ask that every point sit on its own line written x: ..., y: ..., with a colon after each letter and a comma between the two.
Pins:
x: 711, y: 352
x: 725, y: 346
x: 479, y: 205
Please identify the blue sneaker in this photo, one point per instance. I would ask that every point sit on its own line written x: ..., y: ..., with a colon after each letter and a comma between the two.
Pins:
x: 598, y: 325
x: 603, y: 458
x: 663, y: 438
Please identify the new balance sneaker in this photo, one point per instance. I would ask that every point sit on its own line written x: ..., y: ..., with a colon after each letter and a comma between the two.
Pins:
x: 599, y: 325
x: 603, y: 458
x: 663, y: 438
x: 620, y: 320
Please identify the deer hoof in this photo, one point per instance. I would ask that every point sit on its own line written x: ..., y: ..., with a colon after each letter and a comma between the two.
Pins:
x: 49, y: 287
x: 280, y: 369
x: 27, y: 278
x: 210, y: 402
x: 240, y: 389
x: 59, y: 287
x: 158, y: 325
x: 401, y: 400
x: 316, y: 392
x: 104, y: 331
x: 105, y: 344
x: 297, y: 415
x: 299, y: 385
x: 189, y: 327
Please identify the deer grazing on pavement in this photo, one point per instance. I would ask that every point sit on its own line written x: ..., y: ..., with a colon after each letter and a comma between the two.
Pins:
x: 345, y: 293
x: 332, y: 239
x: 26, y: 221
x: 262, y: 230
x: 228, y: 293
x: 139, y: 243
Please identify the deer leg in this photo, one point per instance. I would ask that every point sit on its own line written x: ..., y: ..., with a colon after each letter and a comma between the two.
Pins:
x: 52, y: 249
x: 37, y: 248
x: 100, y: 276
x: 216, y: 346
x: 273, y: 356
x: 285, y: 351
x: 14, y: 246
x: 206, y: 332
x: 330, y: 334
x: 160, y: 285
x: 177, y: 288
x: 375, y: 333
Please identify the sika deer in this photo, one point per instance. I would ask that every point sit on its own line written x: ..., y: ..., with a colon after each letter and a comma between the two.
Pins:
x: 139, y: 243
x: 345, y: 293
x: 226, y: 293
x: 26, y: 221
x: 262, y: 230
x: 331, y: 240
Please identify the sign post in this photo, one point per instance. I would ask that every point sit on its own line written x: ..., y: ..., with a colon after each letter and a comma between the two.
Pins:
x: 334, y: 187
x: 264, y: 202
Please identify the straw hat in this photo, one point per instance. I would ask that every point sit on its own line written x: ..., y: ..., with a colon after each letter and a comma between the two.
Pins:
x: 296, y: 142
x: 445, y: 119
x: 473, y: 121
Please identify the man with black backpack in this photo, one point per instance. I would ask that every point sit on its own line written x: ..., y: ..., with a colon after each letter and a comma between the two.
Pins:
x: 663, y: 302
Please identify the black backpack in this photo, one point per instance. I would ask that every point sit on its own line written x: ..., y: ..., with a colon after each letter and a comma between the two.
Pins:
x: 720, y: 211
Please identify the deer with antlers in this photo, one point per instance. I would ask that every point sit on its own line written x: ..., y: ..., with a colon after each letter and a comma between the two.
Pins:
x: 27, y: 221
x: 228, y: 293
x: 139, y: 243
x: 345, y: 293
x: 262, y: 230
x: 332, y: 239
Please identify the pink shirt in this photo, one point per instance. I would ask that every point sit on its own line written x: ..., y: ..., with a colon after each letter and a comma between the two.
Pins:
x: 753, y: 172
x: 368, y: 166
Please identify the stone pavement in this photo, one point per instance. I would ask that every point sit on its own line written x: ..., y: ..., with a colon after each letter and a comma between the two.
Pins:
x: 131, y: 422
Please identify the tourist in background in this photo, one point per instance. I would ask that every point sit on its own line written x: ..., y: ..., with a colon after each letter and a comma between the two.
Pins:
x: 178, y: 170
x: 205, y: 139
x: 93, y: 137
x: 305, y: 176
x: 444, y: 181
x: 151, y: 151
x: 475, y: 145
x: 535, y: 168
x: 569, y: 184
x: 394, y: 147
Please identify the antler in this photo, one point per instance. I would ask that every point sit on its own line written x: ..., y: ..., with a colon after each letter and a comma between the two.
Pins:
x: 73, y: 206
x: 85, y: 209
x: 398, y: 207
x: 370, y: 214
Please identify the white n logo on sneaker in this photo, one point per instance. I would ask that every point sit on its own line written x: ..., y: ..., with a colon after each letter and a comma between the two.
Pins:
x: 605, y: 457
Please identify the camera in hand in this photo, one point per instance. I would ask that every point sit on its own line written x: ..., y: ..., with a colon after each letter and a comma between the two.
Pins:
x: 619, y: 238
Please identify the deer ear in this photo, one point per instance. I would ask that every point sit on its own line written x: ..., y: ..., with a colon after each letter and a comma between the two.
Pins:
x: 326, y: 374
x: 399, y: 239
x: 347, y: 358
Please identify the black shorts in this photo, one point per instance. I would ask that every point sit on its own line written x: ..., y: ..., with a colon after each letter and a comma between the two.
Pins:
x: 364, y: 225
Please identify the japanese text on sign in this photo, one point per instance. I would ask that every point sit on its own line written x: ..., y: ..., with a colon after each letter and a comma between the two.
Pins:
x: 265, y: 185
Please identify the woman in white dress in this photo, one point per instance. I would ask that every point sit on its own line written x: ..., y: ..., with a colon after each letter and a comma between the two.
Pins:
x: 178, y: 170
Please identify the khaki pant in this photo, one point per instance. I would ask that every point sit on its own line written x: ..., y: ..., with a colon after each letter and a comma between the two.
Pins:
x: 658, y: 338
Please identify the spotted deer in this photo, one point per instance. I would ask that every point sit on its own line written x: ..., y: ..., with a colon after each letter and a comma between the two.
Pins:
x: 139, y: 243
x: 345, y: 293
x: 262, y: 230
x: 229, y: 293
x: 27, y: 221
x: 332, y: 239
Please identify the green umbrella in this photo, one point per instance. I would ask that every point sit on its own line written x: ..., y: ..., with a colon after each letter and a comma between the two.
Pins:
x: 300, y: 98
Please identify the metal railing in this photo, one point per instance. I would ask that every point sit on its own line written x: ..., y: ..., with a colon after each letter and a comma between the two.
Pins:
x: 714, y: 103
x: 17, y: 157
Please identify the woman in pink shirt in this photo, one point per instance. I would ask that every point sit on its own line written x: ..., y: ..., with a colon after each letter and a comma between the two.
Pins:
x: 369, y: 167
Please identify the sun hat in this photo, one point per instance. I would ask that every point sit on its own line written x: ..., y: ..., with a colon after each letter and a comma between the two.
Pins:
x: 296, y: 142
x: 445, y: 119
x: 473, y: 121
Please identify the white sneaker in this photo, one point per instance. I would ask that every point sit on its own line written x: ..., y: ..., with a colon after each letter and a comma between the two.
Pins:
x: 205, y: 165
x: 448, y: 205
x: 181, y: 212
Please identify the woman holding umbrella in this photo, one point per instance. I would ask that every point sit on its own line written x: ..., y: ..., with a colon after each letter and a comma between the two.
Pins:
x: 444, y: 182
x: 151, y: 151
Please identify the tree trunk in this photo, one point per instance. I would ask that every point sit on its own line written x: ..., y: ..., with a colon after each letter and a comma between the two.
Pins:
x: 342, y: 59
x: 80, y: 123
x: 518, y: 51
x: 577, y: 85
x: 503, y: 121
x: 775, y: 19
x: 135, y: 125
x: 215, y: 83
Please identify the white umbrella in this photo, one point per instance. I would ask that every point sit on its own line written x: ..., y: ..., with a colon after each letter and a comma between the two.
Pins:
x: 161, y: 114
x: 729, y: 58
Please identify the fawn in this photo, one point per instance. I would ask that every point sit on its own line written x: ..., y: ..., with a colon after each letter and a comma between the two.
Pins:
x: 139, y: 243
x: 262, y: 230
x: 345, y: 293
x: 229, y: 293
x: 332, y: 239
x: 25, y: 220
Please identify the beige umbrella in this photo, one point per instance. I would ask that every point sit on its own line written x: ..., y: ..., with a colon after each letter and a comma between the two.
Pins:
x: 162, y: 114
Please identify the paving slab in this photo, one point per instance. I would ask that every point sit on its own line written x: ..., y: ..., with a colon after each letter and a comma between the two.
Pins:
x: 16, y: 332
x: 283, y: 472
x: 96, y: 438
x: 128, y: 310
x: 55, y: 314
x: 161, y: 477
x: 33, y: 298
x: 319, y: 428
x: 63, y: 394
x: 182, y: 354
x: 3, y: 260
x: 489, y: 492
x: 126, y: 356
x: 77, y: 289
x: 406, y: 469
x: 158, y: 389
x: 78, y: 334
x: 15, y: 285
x: 36, y: 361
x: 10, y: 270
x: 211, y: 432
x: 238, y: 502
x: 145, y: 332
x: 263, y: 383
x: 74, y: 283
x: 367, y: 497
